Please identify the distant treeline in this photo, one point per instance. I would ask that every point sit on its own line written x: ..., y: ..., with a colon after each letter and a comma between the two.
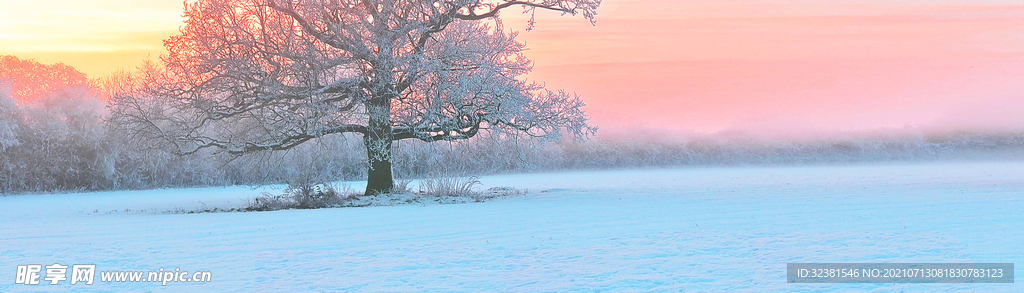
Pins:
x: 53, y: 137
x: 68, y: 147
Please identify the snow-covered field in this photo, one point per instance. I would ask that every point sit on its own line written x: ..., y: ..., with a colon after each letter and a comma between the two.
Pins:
x: 724, y: 229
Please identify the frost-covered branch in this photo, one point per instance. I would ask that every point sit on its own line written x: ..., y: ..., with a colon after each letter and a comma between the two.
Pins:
x: 255, y: 75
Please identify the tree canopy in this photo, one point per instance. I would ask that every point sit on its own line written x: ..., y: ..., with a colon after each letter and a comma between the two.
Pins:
x: 255, y: 75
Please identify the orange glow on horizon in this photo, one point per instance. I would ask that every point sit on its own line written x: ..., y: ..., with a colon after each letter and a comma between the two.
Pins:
x: 97, y: 37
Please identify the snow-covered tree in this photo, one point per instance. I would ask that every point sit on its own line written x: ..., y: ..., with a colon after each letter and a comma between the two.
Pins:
x: 261, y: 75
x: 51, y: 133
x: 28, y: 80
x: 9, y: 116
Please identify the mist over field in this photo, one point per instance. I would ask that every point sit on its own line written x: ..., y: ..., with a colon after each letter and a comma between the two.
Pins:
x: 55, y: 137
x: 59, y: 141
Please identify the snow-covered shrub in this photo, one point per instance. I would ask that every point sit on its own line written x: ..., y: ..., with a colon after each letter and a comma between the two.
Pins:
x: 402, y: 186
x: 315, y: 197
x: 449, y: 186
x: 268, y: 202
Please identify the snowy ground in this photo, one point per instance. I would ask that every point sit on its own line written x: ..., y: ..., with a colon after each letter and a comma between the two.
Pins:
x: 697, y: 229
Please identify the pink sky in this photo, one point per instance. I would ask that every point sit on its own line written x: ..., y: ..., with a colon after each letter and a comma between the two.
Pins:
x: 790, y: 68
x: 768, y: 68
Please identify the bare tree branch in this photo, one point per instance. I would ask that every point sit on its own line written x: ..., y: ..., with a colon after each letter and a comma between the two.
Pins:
x: 269, y: 75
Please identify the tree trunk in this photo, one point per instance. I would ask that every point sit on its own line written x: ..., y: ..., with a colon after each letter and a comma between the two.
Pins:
x: 378, y: 141
x: 379, y: 135
x: 379, y: 178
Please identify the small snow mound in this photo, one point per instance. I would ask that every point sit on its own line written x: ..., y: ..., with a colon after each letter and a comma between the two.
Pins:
x: 556, y: 190
x: 504, y: 191
x: 394, y: 199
